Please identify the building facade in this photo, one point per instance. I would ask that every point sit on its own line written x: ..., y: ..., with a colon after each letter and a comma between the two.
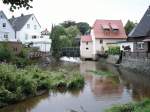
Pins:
x: 25, y: 29
x: 140, y: 35
x: 6, y: 30
x: 103, y: 32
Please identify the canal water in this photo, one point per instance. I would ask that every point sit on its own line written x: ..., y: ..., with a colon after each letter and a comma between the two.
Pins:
x: 98, y: 93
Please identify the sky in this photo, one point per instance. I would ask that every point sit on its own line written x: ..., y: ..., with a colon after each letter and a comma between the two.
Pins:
x: 50, y: 12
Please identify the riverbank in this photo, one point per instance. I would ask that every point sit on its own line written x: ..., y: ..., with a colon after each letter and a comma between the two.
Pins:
x: 143, y: 106
x: 20, y: 84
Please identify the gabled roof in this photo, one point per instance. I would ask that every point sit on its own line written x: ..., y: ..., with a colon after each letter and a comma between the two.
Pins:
x: 18, y: 22
x: 1, y: 12
x: 113, y: 25
x: 143, y: 28
x: 45, y: 32
x: 86, y: 38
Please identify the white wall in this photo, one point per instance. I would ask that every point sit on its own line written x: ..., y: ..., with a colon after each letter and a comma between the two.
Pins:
x: 21, y: 35
x: 86, y: 53
x: 98, y: 45
x: 7, y: 30
x: 44, y: 47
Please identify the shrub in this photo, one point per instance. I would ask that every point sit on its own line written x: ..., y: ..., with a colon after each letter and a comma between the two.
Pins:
x: 114, y: 50
x: 17, y: 84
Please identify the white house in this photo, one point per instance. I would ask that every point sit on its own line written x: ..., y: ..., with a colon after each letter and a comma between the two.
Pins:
x: 102, y: 33
x: 43, y: 42
x: 25, y: 29
x: 6, y: 30
x: 86, y: 47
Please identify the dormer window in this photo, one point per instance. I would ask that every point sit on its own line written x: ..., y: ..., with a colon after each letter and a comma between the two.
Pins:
x: 114, y: 28
x: 106, y: 27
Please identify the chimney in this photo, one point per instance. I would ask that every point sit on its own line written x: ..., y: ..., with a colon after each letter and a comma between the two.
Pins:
x: 22, y: 15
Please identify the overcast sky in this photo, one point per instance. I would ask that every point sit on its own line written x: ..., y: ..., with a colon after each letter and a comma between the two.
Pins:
x: 57, y: 11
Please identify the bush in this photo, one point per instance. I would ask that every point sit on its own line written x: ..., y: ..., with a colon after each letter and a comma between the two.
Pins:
x: 17, y: 84
x: 5, y: 53
x: 114, y: 50
x: 143, y: 106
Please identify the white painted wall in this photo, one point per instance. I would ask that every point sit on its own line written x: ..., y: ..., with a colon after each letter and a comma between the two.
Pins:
x: 25, y: 35
x: 8, y: 30
x: 84, y: 52
x: 21, y: 35
x: 98, y: 45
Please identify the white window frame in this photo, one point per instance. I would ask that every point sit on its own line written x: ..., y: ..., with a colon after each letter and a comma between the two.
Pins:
x: 4, y: 25
x: 26, y: 36
x: 35, y: 27
x: 5, y: 36
x: 140, y: 45
x: 28, y: 26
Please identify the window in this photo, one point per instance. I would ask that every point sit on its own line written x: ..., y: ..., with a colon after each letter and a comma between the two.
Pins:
x: 4, y: 25
x: 115, y: 30
x: 14, y: 49
x: 1, y: 16
x: 5, y: 36
x: 140, y: 45
x: 34, y: 37
x: 28, y: 26
x: 101, y: 41
x: 86, y: 43
x: 87, y: 48
x: 26, y: 36
x: 35, y: 27
x: 32, y: 18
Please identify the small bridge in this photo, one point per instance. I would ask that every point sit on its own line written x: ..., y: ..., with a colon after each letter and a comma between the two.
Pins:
x: 70, y: 51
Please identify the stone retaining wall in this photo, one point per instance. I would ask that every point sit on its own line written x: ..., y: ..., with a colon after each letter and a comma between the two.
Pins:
x: 137, y: 61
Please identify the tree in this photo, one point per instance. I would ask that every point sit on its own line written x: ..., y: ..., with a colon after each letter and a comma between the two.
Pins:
x: 56, y: 36
x: 14, y: 4
x: 83, y: 27
x: 68, y: 23
x: 129, y: 26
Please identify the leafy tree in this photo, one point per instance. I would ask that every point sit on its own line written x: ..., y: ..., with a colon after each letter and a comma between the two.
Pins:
x: 72, y: 32
x: 56, y: 36
x: 14, y: 4
x: 83, y: 27
x: 68, y: 23
x: 129, y: 26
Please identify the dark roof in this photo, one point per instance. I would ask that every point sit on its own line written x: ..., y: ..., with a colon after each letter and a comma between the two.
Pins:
x: 143, y: 28
x: 19, y: 22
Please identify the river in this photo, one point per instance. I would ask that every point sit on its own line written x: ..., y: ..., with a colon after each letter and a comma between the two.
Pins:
x: 98, y: 93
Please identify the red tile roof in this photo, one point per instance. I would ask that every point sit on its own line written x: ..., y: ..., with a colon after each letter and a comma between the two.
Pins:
x: 86, y: 38
x: 113, y: 24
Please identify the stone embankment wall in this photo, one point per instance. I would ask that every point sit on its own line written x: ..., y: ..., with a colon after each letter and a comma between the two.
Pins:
x: 138, y: 61
x: 112, y: 59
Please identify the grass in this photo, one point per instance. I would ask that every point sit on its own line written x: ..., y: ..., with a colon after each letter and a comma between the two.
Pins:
x: 143, y: 106
x: 102, y: 73
x: 19, y: 84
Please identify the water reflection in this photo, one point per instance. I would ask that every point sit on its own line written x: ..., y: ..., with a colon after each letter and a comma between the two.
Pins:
x: 98, y: 94
x: 101, y: 87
